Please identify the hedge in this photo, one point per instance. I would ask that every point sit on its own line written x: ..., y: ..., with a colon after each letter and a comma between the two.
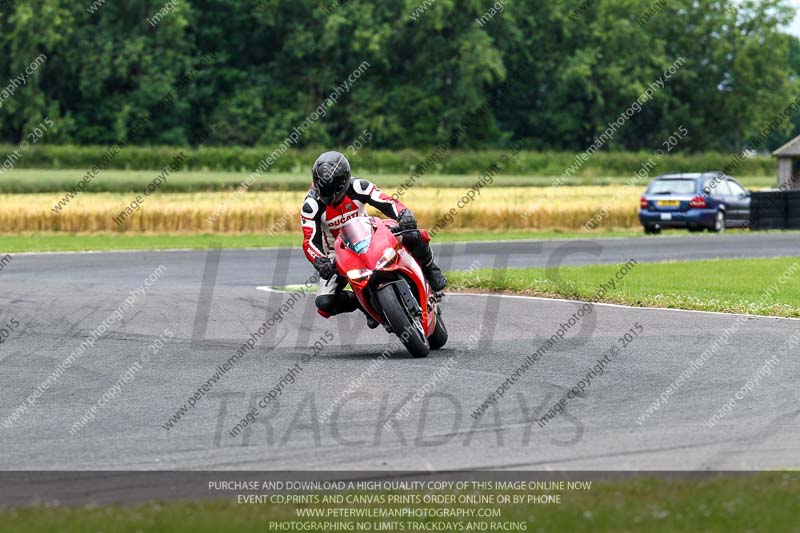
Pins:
x: 243, y: 159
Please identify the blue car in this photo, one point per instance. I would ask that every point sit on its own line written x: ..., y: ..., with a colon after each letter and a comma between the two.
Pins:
x: 695, y: 201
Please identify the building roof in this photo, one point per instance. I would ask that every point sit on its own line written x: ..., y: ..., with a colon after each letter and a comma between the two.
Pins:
x: 792, y: 148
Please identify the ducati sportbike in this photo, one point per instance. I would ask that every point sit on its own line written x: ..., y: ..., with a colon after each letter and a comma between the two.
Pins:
x: 389, y: 283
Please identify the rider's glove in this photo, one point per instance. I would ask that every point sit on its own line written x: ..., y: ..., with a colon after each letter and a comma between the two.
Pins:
x: 325, y: 267
x: 406, y: 220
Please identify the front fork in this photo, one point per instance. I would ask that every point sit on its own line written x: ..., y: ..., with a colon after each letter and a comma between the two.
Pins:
x: 404, y: 292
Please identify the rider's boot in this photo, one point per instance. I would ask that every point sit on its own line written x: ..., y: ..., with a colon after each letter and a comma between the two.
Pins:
x: 423, y: 254
x: 434, y: 276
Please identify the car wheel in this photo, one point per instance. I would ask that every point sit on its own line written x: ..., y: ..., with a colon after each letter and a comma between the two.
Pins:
x: 719, y: 223
x: 652, y: 230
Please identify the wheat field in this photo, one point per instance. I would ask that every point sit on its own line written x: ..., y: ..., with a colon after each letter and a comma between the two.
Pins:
x: 225, y: 212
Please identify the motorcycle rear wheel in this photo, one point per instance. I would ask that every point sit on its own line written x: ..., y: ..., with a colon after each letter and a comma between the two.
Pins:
x: 401, y: 320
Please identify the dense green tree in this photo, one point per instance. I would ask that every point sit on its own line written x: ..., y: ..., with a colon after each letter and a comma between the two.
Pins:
x: 472, y: 73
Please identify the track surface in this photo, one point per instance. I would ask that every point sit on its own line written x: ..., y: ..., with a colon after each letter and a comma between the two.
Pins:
x: 246, y: 266
x: 209, y: 301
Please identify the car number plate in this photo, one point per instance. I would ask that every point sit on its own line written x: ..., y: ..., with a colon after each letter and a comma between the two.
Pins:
x: 666, y: 216
x: 668, y: 203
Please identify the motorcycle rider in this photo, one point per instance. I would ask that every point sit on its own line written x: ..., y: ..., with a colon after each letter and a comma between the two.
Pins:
x: 335, y: 197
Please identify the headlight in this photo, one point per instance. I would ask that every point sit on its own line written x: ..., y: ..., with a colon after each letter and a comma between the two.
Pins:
x: 389, y: 257
x: 359, y: 274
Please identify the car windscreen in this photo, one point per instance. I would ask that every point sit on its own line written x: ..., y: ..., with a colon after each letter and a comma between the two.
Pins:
x: 677, y: 186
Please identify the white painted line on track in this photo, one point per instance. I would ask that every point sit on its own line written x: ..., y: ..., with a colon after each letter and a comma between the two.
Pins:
x: 268, y: 289
x: 564, y: 300
x: 623, y: 306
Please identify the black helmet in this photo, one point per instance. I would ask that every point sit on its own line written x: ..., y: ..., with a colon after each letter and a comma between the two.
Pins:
x: 331, y: 175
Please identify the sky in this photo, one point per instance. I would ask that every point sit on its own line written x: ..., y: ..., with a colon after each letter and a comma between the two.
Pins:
x: 794, y: 28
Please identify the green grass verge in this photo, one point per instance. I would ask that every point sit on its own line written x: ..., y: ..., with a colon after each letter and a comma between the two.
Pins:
x: 725, y: 285
x: 40, y: 180
x: 750, y: 502
x: 67, y: 242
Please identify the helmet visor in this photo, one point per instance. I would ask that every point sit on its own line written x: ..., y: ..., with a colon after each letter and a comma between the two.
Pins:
x: 332, y: 190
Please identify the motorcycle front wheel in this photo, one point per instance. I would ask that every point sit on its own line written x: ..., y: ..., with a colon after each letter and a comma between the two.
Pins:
x: 439, y: 336
x: 406, y: 326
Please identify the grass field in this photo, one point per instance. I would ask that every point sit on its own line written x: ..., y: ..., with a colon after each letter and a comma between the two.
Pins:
x: 763, y: 502
x: 726, y: 285
x: 508, y: 208
x: 205, y: 201
x: 134, y: 181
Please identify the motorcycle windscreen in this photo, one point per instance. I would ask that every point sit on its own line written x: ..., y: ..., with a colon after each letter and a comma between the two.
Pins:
x: 356, y: 234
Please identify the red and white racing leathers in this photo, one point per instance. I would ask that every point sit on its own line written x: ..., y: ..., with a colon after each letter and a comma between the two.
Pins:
x: 321, y: 223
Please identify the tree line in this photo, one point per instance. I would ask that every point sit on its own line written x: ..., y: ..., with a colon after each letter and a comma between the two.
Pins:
x: 553, y: 75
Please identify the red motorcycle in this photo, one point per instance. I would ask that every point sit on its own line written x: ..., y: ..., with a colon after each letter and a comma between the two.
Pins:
x: 389, y: 283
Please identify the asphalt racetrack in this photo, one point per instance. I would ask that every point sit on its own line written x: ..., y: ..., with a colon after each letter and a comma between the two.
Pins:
x: 203, y: 305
